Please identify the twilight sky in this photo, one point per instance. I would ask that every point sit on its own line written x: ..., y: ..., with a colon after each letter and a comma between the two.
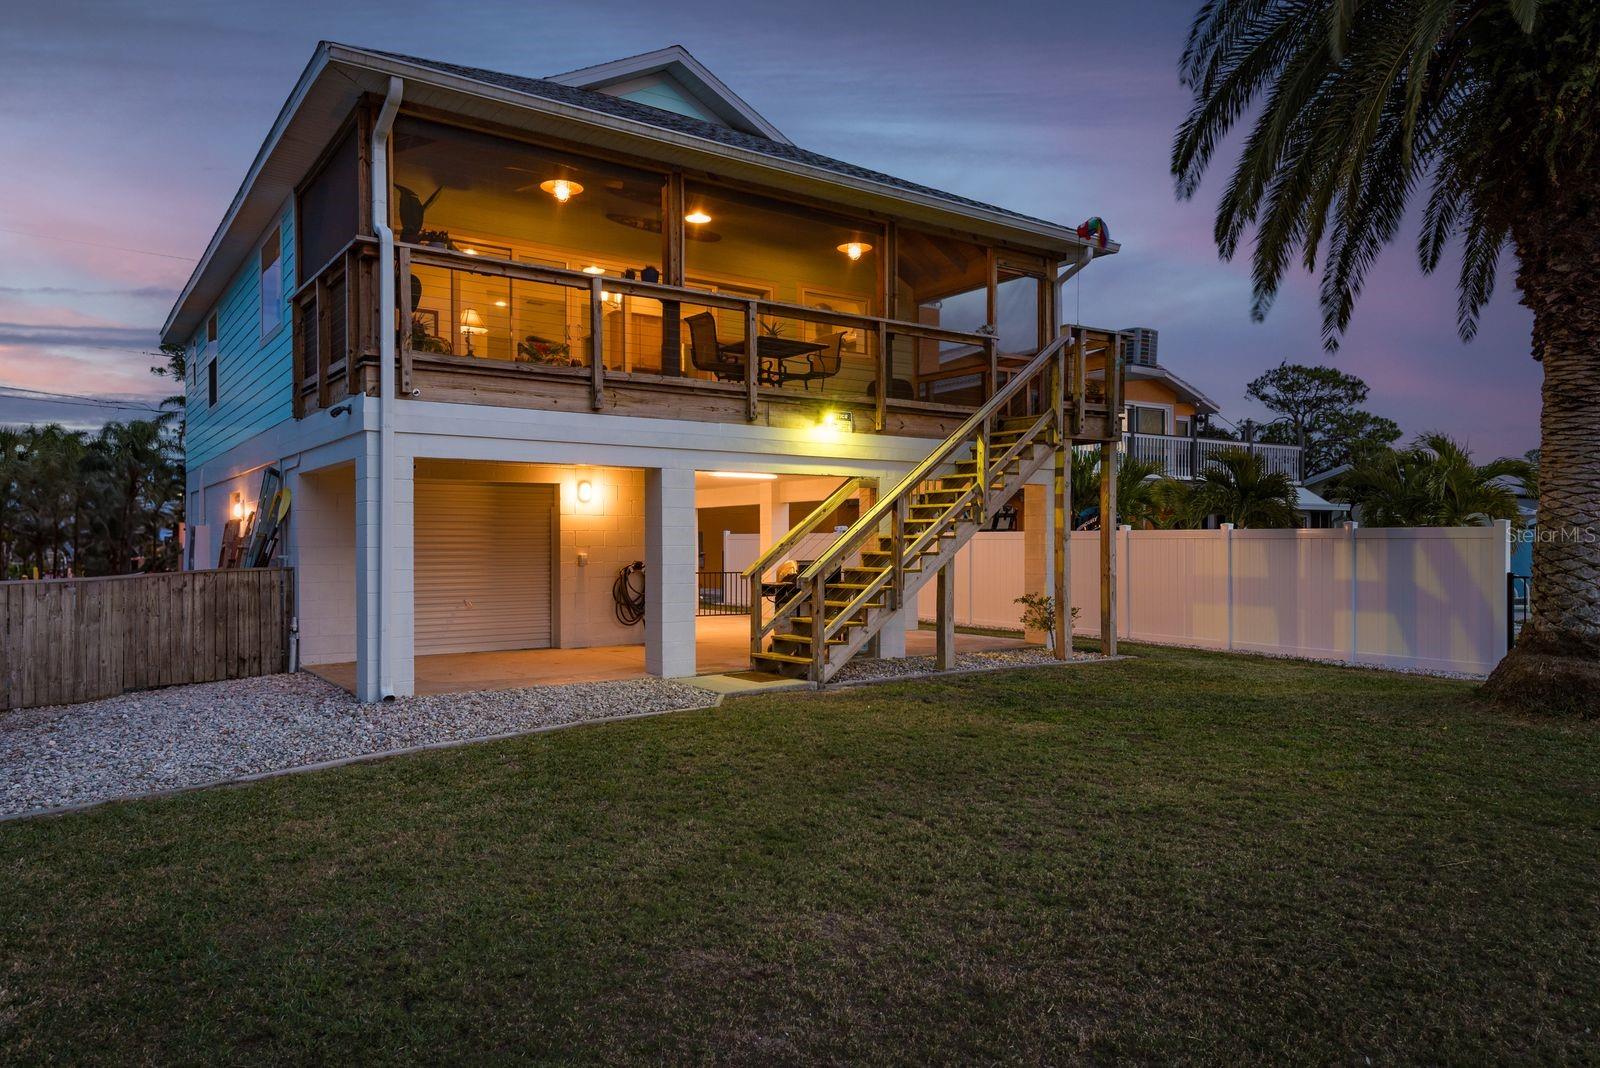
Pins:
x: 129, y: 126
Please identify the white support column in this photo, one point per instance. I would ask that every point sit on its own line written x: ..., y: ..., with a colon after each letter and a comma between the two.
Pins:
x: 369, y: 570
x: 384, y: 584
x: 669, y: 638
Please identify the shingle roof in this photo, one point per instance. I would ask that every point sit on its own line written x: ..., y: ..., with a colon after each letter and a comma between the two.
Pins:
x: 671, y: 120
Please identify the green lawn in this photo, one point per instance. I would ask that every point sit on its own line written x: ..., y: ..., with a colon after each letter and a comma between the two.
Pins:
x: 1185, y: 857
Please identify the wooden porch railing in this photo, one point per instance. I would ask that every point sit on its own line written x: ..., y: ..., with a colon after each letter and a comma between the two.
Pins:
x: 751, y: 313
x: 336, y: 329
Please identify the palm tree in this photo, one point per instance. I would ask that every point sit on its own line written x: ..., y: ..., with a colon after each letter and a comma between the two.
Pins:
x: 1434, y: 483
x: 1493, y: 105
x: 1172, y: 505
x: 1237, y: 487
x: 1133, y: 488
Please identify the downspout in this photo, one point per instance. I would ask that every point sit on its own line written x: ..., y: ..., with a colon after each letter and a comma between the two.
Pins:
x: 386, y: 381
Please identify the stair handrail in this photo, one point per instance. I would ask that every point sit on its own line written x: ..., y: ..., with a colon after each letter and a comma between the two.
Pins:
x: 805, y: 526
x: 885, y: 504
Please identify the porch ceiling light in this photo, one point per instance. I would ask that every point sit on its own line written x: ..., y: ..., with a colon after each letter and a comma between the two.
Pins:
x: 594, y: 268
x: 854, y: 249
x: 757, y: 475
x: 563, y: 189
x: 698, y: 216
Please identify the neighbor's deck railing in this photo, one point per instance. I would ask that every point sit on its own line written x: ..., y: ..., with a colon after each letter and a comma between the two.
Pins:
x: 1186, y: 458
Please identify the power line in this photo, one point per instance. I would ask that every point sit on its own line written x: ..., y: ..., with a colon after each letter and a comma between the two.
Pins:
x: 77, y: 398
x: 96, y: 244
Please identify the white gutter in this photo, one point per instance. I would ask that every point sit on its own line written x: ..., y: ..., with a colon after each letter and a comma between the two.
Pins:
x: 386, y: 383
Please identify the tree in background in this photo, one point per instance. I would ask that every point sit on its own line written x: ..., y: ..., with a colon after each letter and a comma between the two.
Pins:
x: 1433, y: 483
x: 1493, y: 106
x: 1237, y: 487
x: 1320, y: 413
x: 1134, y: 479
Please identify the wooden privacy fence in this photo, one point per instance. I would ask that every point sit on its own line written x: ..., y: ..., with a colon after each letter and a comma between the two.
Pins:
x: 69, y: 640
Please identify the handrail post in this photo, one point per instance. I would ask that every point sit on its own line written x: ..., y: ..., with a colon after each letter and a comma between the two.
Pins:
x: 597, y: 344
x: 881, y: 401
x: 405, y: 311
x: 819, y: 627
x: 897, y: 550
x: 980, y: 454
x: 752, y: 362
x: 991, y: 374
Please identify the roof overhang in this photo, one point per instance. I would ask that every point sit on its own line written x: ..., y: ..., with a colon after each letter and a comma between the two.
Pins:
x: 339, y: 75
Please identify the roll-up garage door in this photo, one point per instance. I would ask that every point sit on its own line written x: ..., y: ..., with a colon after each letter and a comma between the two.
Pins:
x: 483, y: 562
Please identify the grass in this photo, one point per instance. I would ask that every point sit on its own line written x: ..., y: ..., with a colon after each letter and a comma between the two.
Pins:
x: 1185, y: 857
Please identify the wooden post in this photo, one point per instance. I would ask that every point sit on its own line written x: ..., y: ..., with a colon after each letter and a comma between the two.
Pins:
x: 324, y: 340
x: 403, y: 291
x: 819, y: 628
x: 1061, y: 517
x: 752, y: 361
x: 885, y: 374
x: 597, y: 344
x: 945, y: 647
x: 1108, y: 548
x: 991, y: 368
x: 672, y: 272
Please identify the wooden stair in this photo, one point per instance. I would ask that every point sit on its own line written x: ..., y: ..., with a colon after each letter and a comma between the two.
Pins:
x: 912, y: 532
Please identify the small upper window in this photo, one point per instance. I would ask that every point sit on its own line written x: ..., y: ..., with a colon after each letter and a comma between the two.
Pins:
x: 209, y: 357
x: 271, y: 284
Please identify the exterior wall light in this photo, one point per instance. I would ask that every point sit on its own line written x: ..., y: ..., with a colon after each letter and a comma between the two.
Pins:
x: 585, y: 492
x: 561, y: 188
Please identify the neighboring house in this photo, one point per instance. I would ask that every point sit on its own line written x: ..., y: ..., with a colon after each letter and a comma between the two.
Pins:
x: 1162, y: 420
x: 504, y: 336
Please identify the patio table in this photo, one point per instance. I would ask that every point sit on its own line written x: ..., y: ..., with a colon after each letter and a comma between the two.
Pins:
x: 772, y: 351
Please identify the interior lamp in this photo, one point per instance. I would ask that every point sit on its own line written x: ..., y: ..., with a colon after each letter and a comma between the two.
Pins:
x: 854, y: 249
x: 563, y: 189
x: 472, y: 323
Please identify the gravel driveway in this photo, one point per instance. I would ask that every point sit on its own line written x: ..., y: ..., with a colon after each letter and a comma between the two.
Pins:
x: 192, y: 735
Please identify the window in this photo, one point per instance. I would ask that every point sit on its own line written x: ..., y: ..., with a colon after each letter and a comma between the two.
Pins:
x: 1146, y: 420
x: 271, y: 284
x: 211, y: 361
x: 1182, y: 426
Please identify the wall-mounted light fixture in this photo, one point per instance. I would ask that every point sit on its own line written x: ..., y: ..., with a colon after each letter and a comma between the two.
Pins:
x: 562, y: 189
x: 585, y: 492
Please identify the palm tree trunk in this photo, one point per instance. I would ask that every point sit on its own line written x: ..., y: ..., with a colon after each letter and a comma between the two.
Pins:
x: 1555, y: 666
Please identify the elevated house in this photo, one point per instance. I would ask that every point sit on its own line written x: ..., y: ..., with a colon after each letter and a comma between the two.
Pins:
x: 505, y: 337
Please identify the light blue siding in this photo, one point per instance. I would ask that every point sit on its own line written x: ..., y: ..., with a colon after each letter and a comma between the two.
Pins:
x: 255, y: 375
x: 665, y: 93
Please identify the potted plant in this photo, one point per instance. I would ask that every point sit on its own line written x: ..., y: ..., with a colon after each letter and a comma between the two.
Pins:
x: 535, y: 349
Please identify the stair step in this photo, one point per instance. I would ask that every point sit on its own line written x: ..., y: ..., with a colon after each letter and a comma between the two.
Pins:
x: 807, y: 620
x: 804, y: 639
x: 782, y: 658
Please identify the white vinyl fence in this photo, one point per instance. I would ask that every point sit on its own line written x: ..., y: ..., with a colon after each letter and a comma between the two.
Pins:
x: 1429, y: 597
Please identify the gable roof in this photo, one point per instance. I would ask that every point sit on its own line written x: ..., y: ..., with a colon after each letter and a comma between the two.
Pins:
x: 621, y: 107
x: 674, y: 62
x: 338, y: 75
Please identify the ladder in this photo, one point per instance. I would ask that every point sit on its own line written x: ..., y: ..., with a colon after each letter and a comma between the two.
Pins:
x: 845, y: 598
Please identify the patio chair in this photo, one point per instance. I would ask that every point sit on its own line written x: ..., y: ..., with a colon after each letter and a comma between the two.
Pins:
x: 822, y: 364
x: 706, y: 351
